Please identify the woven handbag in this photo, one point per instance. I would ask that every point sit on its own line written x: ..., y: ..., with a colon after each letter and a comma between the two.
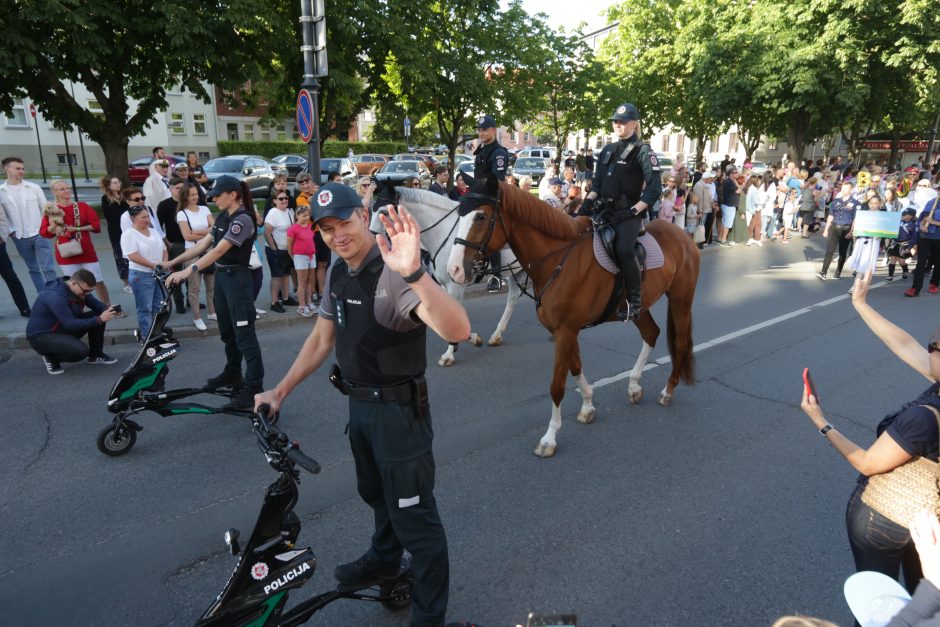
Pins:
x: 73, y: 247
x: 911, y: 487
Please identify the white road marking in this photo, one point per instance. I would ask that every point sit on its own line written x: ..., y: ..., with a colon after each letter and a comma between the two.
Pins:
x: 662, y: 361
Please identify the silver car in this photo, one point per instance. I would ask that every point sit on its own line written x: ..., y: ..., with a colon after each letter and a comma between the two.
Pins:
x: 533, y: 167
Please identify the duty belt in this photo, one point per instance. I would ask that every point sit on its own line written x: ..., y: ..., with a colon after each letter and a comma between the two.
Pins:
x: 415, y: 390
x: 229, y: 268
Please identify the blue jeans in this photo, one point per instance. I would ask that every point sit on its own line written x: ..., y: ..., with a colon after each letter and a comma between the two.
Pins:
x: 147, y: 298
x: 36, y: 251
x: 879, y: 544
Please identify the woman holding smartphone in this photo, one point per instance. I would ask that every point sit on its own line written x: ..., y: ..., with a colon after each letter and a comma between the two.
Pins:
x: 879, y: 544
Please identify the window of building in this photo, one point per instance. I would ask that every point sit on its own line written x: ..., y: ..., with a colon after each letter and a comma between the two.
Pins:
x: 19, y: 116
x: 177, y: 124
x: 250, y: 132
x: 282, y: 133
x: 265, y: 133
x: 231, y: 131
x: 665, y: 147
x: 525, y: 136
x: 772, y: 143
x: 680, y: 143
x: 71, y: 158
x: 199, y: 124
x: 203, y: 156
x: 733, y: 142
x: 713, y: 144
x: 94, y: 107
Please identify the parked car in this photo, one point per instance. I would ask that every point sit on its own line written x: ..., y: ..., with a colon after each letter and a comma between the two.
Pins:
x: 533, y: 167
x: 458, y: 159
x: 759, y: 167
x: 252, y: 169
x: 292, y: 164
x: 466, y: 167
x: 541, y: 153
x: 139, y: 169
x: 428, y: 160
x: 403, y: 169
x: 665, y: 163
x: 334, y: 164
x: 366, y: 165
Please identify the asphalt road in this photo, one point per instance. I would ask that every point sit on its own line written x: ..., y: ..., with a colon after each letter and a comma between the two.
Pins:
x: 725, y: 509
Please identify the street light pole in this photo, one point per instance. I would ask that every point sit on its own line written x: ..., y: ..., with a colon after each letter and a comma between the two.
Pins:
x: 68, y: 159
x: 313, y: 27
x: 933, y: 138
x: 81, y: 144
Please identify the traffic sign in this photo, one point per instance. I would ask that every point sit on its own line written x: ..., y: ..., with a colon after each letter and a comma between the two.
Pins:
x: 305, y: 122
x: 407, y: 126
x: 32, y: 110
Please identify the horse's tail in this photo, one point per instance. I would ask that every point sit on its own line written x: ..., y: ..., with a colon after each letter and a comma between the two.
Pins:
x: 683, y: 358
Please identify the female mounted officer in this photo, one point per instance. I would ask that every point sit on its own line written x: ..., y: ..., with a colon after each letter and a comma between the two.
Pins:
x: 375, y: 311
x: 231, y: 242
x: 627, y: 181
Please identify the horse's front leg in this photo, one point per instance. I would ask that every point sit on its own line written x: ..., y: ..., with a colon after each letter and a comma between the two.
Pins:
x: 565, y: 342
x: 649, y: 331
x: 511, y: 300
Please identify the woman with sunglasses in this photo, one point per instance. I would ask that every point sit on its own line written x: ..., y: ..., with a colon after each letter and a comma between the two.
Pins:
x: 144, y: 248
x: 878, y: 543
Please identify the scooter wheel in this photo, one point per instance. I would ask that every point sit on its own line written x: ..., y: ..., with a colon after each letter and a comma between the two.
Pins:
x: 116, y: 440
x: 397, y: 595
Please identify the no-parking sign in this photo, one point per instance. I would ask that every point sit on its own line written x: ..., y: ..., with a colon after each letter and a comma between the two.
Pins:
x: 305, y: 115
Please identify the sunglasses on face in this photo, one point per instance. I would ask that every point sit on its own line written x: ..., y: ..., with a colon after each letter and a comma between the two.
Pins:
x: 281, y: 198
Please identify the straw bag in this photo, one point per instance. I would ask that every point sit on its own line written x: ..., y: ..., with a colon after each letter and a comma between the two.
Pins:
x: 911, y: 487
x: 73, y: 247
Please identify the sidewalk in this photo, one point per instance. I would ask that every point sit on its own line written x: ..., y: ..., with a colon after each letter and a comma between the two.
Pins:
x: 120, y: 330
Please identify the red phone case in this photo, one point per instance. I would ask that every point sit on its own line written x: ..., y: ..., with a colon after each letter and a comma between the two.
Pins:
x: 809, y: 384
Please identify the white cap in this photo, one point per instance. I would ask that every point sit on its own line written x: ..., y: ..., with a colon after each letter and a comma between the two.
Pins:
x: 874, y: 598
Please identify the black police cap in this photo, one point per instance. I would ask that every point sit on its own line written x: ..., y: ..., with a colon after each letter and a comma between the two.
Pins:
x: 334, y: 200
x: 625, y: 113
x: 486, y: 122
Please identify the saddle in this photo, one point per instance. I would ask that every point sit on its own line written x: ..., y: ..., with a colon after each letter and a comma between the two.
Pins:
x: 647, y: 249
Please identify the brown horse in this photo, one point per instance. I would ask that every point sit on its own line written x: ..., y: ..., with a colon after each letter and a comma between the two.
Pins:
x: 572, y: 290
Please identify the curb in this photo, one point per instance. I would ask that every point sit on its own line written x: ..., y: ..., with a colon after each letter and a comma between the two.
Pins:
x: 18, y: 341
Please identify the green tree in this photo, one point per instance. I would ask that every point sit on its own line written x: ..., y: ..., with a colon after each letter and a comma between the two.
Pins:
x: 123, y: 51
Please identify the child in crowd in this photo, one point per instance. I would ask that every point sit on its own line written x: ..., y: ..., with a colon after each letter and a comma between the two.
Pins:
x: 302, y: 250
x: 790, y: 207
x: 902, y: 249
x: 865, y: 249
x: 667, y: 205
x: 679, y: 209
x: 692, y: 215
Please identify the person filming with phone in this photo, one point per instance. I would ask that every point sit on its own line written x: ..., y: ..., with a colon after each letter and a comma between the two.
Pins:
x: 898, y: 472
x: 64, y: 312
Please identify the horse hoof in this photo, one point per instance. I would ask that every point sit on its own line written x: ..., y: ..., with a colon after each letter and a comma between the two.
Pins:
x: 476, y: 340
x: 496, y: 340
x: 544, y: 450
x: 635, y: 395
x: 665, y: 399
x: 587, y: 417
x: 444, y: 362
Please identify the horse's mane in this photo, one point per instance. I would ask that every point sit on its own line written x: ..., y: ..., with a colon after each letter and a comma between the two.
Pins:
x: 538, y: 214
x: 424, y: 197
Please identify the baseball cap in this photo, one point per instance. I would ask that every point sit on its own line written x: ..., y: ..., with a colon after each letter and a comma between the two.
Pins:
x: 874, y: 598
x: 910, y: 211
x: 486, y: 122
x: 224, y: 184
x: 625, y: 113
x: 708, y: 174
x: 334, y: 200
x: 555, y: 181
x: 181, y: 166
x: 162, y: 162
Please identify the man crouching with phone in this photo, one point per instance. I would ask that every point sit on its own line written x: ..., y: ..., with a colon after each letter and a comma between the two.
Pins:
x: 59, y: 320
x: 377, y: 305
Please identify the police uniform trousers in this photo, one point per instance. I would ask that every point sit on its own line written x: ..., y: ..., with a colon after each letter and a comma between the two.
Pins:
x: 391, y: 447
x: 235, y: 309
x: 627, y: 231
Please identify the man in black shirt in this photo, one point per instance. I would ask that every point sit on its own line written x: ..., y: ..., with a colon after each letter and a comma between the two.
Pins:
x: 166, y: 216
x: 439, y: 184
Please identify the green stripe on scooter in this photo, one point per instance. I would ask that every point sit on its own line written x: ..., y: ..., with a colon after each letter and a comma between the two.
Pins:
x: 192, y: 410
x: 144, y: 383
x: 271, y: 603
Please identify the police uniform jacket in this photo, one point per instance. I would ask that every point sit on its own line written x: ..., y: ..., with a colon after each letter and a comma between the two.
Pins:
x: 490, y: 160
x: 239, y: 230
x: 627, y: 172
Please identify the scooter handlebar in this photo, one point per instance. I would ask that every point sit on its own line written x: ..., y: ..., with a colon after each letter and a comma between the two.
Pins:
x: 307, y: 463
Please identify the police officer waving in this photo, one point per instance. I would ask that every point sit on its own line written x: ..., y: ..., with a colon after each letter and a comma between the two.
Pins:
x: 376, y: 308
x: 231, y: 242
x: 627, y: 181
x: 490, y: 159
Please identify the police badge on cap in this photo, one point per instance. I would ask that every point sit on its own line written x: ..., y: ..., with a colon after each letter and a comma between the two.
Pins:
x: 486, y: 122
x: 335, y: 200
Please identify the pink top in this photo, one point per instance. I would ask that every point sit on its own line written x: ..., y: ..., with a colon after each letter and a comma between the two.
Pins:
x: 303, y: 238
x: 666, y: 210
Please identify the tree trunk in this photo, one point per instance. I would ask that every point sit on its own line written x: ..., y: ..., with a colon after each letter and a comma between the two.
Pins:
x: 895, y: 148
x: 796, y: 138
x: 700, y: 150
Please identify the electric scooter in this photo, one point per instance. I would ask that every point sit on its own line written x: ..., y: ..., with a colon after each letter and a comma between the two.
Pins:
x: 141, y: 386
x: 270, y: 565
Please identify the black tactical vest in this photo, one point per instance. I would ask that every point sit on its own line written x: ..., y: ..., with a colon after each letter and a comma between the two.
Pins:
x: 623, y: 182
x: 234, y: 256
x: 368, y: 353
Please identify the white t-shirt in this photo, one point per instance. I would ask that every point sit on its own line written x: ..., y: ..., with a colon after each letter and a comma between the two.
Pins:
x: 197, y: 220
x: 27, y: 203
x: 280, y: 221
x: 150, y: 247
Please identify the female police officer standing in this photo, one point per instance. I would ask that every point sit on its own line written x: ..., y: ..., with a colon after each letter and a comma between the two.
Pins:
x: 623, y: 168
x: 378, y: 303
x: 231, y: 241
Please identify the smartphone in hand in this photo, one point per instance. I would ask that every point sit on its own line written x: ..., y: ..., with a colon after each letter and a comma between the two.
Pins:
x: 116, y: 308
x: 809, y: 384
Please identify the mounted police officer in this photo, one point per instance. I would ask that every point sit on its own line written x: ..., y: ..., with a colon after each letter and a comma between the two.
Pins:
x: 231, y: 240
x: 627, y: 181
x: 378, y: 304
x: 490, y: 159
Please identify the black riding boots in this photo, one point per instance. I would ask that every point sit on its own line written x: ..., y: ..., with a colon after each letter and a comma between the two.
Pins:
x: 632, y: 278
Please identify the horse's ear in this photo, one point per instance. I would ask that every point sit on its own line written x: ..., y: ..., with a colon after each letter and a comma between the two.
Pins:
x: 467, y: 179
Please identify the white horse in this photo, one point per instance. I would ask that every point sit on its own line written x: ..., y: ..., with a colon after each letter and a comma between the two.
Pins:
x: 437, y: 217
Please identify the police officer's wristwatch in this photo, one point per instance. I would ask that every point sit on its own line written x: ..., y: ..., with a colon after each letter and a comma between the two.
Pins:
x: 414, y: 276
x: 194, y: 268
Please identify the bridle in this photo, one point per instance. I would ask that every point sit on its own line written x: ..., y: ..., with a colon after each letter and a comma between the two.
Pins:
x: 481, y: 258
